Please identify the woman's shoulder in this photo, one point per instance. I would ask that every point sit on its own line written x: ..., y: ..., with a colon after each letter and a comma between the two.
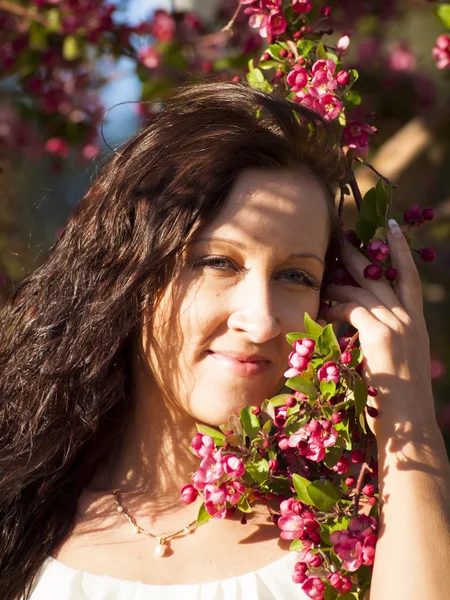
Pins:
x: 57, y: 581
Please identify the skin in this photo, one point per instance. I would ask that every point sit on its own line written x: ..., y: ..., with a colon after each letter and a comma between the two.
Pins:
x: 250, y: 307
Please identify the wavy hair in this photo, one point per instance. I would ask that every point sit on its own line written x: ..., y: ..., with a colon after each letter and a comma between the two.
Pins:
x: 66, y: 334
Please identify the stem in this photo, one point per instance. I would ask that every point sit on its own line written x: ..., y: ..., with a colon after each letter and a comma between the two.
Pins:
x: 385, y: 179
x: 355, y: 189
x: 20, y: 11
x: 230, y: 23
x: 341, y: 203
x: 364, y: 468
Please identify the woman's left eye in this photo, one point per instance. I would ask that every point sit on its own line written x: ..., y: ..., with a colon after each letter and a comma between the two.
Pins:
x: 221, y: 263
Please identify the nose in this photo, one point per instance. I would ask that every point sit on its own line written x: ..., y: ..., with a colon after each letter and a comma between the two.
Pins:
x: 253, y: 309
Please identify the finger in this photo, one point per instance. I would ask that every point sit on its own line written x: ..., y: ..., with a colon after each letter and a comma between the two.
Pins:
x: 355, y: 263
x: 353, y: 313
x: 407, y: 285
x: 348, y: 293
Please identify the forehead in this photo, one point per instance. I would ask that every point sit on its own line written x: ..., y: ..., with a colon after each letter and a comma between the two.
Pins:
x: 277, y: 208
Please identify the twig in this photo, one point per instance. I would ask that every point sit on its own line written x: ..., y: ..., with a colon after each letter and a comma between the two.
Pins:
x: 385, y: 179
x: 230, y: 23
x: 20, y: 11
x: 355, y: 189
x: 364, y: 468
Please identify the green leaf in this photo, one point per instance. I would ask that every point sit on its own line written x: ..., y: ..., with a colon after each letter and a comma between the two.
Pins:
x: 323, y: 494
x: 354, y: 75
x: 267, y: 64
x: 313, y: 329
x: 333, y: 57
x: 330, y: 592
x: 294, y: 336
x: 365, y: 230
x: 443, y: 12
x: 352, y: 98
x: 368, y: 210
x: 360, y: 392
x: 259, y: 470
x: 327, y: 342
x: 38, y: 36
x: 203, y: 515
x: 327, y: 388
x: 217, y: 436
x: 296, y: 545
x: 342, y: 119
x: 303, y: 384
x: 357, y: 357
x: 383, y: 200
x: 332, y: 456
x: 362, y: 422
x: 243, y: 505
x: 53, y: 20
x: 279, y: 400
x: 349, y: 596
x: 301, y: 487
x: 250, y: 422
x: 71, y: 48
x: 304, y: 47
x: 256, y: 79
x: 321, y: 53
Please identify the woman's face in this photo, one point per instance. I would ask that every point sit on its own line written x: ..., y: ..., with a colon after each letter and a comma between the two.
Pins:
x: 218, y: 341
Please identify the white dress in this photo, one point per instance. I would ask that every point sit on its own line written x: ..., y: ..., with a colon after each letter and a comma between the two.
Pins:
x: 272, y: 582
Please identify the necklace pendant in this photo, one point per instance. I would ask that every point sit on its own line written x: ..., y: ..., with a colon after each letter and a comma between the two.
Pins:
x: 160, y: 548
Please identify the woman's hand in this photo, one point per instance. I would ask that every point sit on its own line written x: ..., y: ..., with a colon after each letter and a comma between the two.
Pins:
x: 393, y: 337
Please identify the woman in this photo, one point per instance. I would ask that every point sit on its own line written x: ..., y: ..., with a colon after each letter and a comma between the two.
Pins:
x: 166, y: 303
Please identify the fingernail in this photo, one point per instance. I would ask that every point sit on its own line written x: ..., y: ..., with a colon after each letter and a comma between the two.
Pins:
x: 395, y: 229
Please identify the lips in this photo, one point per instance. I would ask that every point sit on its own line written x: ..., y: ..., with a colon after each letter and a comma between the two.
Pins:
x: 244, y: 358
x: 252, y: 365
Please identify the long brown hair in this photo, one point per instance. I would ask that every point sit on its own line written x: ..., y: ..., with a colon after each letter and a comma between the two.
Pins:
x: 65, y: 335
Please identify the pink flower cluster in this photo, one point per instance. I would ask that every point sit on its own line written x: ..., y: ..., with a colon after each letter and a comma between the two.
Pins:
x: 316, y: 89
x: 441, y: 51
x: 356, y: 136
x: 311, y: 439
x: 217, y: 478
x: 355, y: 546
x: 300, y: 358
x: 415, y: 216
x: 329, y: 371
x: 378, y: 251
x: 266, y: 16
x: 297, y: 522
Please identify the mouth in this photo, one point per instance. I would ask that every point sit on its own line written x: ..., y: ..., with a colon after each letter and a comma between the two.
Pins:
x: 244, y: 368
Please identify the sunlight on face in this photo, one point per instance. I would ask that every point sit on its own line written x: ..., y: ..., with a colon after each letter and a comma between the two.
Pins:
x: 246, y: 281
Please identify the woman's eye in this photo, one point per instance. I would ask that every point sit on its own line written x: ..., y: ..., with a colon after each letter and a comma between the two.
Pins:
x: 213, y: 262
x: 221, y: 263
x: 301, y: 278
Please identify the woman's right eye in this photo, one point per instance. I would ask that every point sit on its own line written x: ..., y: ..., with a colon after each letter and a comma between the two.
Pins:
x: 213, y: 262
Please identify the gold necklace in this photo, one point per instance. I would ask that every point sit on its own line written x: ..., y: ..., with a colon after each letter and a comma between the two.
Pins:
x: 162, y: 540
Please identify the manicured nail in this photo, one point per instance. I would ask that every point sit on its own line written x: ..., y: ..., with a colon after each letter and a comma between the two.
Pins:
x: 395, y: 229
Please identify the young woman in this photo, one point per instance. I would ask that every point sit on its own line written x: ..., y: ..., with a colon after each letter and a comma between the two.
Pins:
x: 166, y: 303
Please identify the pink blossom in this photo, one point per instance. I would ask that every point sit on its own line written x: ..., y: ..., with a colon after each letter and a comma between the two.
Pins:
x: 202, y: 445
x: 258, y: 20
x: 314, y: 560
x: 343, y: 78
x: 297, y: 78
x: 58, y: 146
x: 162, y: 26
x: 329, y: 372
x: 188, y: 494
x: 300, y: 572
x: 315, y: 452
x: 401, y: 58
x: 233, y: 466
x: 350, y: 551
x: 341, y: 466
x: 90, y: 151
x: 378, y: 250
x: 325, y: 438
x: 290, y: 507
x: 270, y: 4
x: 314, y: 588
x: 291, y: 527
x: 215, y: 494
x: 234, y: 490
x: 340, y: 582
x: 276, y: 23
x: 356, y: 135
x: 325, y: 65
x: 441, y: 51
x: 149, y: 57
x: 328, y: 106
x: 210, y: 471
x: 342, y: 45
x: 362, y: 526
x: 304, y: 346
x: 301, y: 6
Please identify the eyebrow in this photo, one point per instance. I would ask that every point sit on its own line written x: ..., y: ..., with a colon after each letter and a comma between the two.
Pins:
x: 243, y: 247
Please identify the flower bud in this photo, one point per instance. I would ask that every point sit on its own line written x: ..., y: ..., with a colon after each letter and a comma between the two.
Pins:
x: 266, y: 56
x: 372, y: 411
x: 283, y: 53
x: 357, y: 456
x: 368, y: 490
x: 372, y: 391
x: 188, y: 494
x: 390, y: 274
x: 372, y: 501
x: 378, y: 251
x: 350, y: 481
x: 273, y: 464
x: 291, y: 402
x: 343, y: 78
x: 427, y: 254
x: 346, y: 357
x: 373, y: 272
x: 256, y: 411
x: 427, y: 214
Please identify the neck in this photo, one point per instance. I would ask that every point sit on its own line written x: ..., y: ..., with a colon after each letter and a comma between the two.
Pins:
x: 153, y: 461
